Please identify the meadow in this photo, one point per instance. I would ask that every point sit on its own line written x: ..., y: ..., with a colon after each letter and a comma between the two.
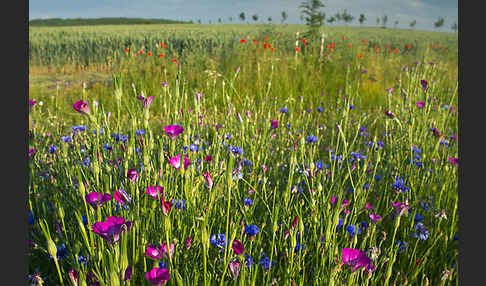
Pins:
x: 242, y: 155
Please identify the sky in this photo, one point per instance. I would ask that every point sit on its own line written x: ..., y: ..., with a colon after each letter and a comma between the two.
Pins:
x: 425, y: 12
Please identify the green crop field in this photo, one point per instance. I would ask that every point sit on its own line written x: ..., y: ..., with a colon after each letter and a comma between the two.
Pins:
x: 188, y: 154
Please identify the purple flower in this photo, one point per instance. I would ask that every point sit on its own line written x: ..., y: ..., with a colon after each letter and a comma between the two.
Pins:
x: 154, y: 191
x: 164, y: 83
x: 399, y: 207
x: 238, y: 247
x: 81, y: 106
x: 173, y: 130
x: 425, y: 84
x: 32, y: 153
x: 111, y: 228
x: 356, y: 259
x: 146, y: 101
x: 154, y: 252
x: 454, y: 160
x: 128, y: 274
x: 132, y: 175
x: 235, y: 267
x: 390, y: 114
x: 95, y: 199
x: 158, y: 276
x: 420, y: 104
x: 375, y: 218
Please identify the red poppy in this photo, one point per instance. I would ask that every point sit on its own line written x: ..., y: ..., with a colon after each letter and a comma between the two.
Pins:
x: 303, y: 40
x: 350, y: 45
x: 174, y: 60
x: 360, y: 56
x: 332, y: 50
x: 438, y: 47
x: 365, y: 42
x: 149, y: 54
x: 297, y: 49
x: 271, y: 49
x: 161, y: 55
x: 432, y: 46
x: 141, y: 52
x: 445, y: 50
x: 269, y: 45
x: 265, y: 45
x: 328, y: 46
x: 395, y: 50
x: 266, y: 38
x: 344, y: 38
x: 242, y: 41
x: 127, y: 50
x: 408, y: 46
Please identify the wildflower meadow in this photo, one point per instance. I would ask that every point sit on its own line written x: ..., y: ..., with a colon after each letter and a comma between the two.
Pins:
x: 242, y: 156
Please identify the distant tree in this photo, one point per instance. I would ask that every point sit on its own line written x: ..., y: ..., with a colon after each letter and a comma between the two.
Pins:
x: 242, y: 16
x: 347, y: 18
x: 230, y: 19
x: 361, y: 19
x: 338, y: 17
x: 331, y: 20
x: 313, y: 16
x: 199, y: 21
x: 284, y: 16
x: 395, y: 24
x: 209, y: 21
x: 454, y: 27
x: 439, y: 23
x: 413, y: 23
x: 377, y: 21
x: 269, y: 19
x: 384, y: 20
x: 255, y: 17
x: 219, y: 20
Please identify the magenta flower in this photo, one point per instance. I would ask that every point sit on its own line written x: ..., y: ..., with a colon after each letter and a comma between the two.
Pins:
x: 188, y: 242
x: 81, y: 106
x: 31, y: 103
x: 176, y: 162
x: 166, y: 205
x: 420, y: 104
x: 32, y: 153
x: 454, y: 160
x: 154, y: 252
x: 375, y: 218
x: 173, y: 130
x: 167, y: 251
x: 164, y: 83
x: 122, y: 197
x: 132, y: 175
x: 399, y: 207
x: 154, y: 191
x: 128, y: 274
x: 273, y: 124
x: 187, y: 162
x: 95, y: 199
x: 238, y: 247
x: 209, y: 180
x: 356, y: 259
x: 158, y: 276
x: 146, y: 101
x: 390, y: 114
x: 74, y: 275
x: 235, y: 267
x: 111, y: 228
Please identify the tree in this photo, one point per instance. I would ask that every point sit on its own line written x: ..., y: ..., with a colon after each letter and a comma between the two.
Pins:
x: 255, y: 17
x: 384, y: 20
x: 331, y: 20
x: 361, y: 19
x: 439, y: 23
x: 347, y: 18
x: 413, y: 23
x: 269, y: 19
x: 313, y: 16
x: 199, y: 21
x: 284, y: 16
x: 395, y: 24
x: 219, y: 20
x: 242, y: 16
x: 454, y: 27
x: 338, y: 17
x: 230, y: 19
x: 377, y: 21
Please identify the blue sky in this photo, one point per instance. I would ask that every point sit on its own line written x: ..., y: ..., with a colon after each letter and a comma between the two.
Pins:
x: 426, y: 12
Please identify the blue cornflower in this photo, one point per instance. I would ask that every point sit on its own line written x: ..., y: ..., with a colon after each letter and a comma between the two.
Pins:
x: 162, y: 265
x: 218, y: 240
x: 416, y: 150
x: 366, y: 186
x: 340, y: 223
x: 119, y: 137
x: 107, y: 147
x: 311, y: 139
x: 252, y: 230
x: 364, y: 225
x: 299, y: 247
x: 248, y: 261
x: 78, y: 128
x: 362, y: 129
x: 284, y: 109
x: 289, y: 125
x: 247, y: 163
x: 85, y: 219
x: 61, y: 251
x: 456, y: 237
x: 237, y: 150
x: 351, y: 106
x: 179, y: 204
x: 228, y: 136
x: 52, y: 149
x: 418, y: 218
x: 31, y: 218
x: 352, y: 230
x: 194, y: 148
x: 82, y: 260
x: 444, y: 142
x: 247, y: 202
x: 319, y: 109
x: 265, y: 262
x: 140, y: 132
x: 422, y: 231
x: 399, y: 185
x: 319, y: 165
x: 86, y: 162
x: 402, y: 247
x: 66, y: 139
x: 101, y: 131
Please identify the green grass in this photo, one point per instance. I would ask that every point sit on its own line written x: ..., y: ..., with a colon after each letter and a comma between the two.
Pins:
x: 243, y: 87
